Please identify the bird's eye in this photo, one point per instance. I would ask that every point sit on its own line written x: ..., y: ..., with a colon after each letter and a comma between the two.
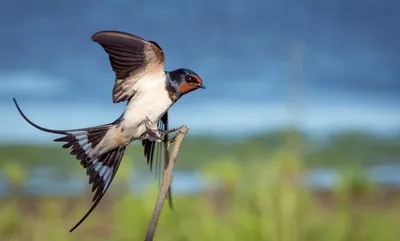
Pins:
x: 188, y: 78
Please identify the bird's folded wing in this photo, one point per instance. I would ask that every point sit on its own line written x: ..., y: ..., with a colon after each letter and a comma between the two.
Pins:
x: 131, y: 58
x: 155, y: 152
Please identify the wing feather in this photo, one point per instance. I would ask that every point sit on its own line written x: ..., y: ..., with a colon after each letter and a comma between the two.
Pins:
x: 156, y: 151
x: 131, y: 58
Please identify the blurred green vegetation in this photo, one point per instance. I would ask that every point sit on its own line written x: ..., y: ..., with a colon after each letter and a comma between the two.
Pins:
x: 336, y: 150
x: 258, y: 197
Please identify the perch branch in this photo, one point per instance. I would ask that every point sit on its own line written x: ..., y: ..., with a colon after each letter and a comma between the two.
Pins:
x: 166, y: 182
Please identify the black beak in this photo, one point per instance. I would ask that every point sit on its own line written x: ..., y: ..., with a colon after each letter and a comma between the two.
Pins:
x: 201, y: 86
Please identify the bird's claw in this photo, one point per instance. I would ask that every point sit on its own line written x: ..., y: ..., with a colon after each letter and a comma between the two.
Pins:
x: 158, y: 134
x: 166, y: 132
x: 170, y: 140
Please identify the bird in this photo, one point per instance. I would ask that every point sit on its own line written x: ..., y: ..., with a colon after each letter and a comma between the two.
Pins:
x: 149, y: 92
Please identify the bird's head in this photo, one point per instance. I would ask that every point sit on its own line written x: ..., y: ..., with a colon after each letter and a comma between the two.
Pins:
x: 185, y: 81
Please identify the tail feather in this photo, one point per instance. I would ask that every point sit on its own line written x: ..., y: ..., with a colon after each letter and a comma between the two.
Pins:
x: 81, y: 141
x: 63, y: 132
x: 101, y: 172
x: 100, y: 168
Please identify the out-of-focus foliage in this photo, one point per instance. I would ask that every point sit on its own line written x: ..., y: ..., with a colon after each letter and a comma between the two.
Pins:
x: 256, y: 200
x: 337, y: 150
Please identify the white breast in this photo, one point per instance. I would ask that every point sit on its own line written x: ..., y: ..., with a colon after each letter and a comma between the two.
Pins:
x: 151, y: 100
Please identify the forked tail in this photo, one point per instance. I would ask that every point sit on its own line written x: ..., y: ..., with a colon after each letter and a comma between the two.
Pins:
x: 101, y: 168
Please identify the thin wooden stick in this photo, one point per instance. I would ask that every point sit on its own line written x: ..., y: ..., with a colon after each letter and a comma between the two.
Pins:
x: 166, y: 182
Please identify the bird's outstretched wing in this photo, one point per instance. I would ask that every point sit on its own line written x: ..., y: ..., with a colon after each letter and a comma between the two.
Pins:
x: 155, y: 152
x: 131, y: 58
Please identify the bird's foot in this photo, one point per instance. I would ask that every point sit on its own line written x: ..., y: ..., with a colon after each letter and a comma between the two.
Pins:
x: 166, y: 132
x: 170, y: 140
x: 152, y: 135
x: 155, y: 134
x: 151, y: 130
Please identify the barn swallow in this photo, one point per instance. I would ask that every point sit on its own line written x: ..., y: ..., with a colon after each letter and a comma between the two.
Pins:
x: 149, y: 90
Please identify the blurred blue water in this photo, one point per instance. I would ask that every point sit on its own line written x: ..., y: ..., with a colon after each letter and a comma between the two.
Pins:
x: 349, y: 65
x: 385, y: 175
x: 42, y: 181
